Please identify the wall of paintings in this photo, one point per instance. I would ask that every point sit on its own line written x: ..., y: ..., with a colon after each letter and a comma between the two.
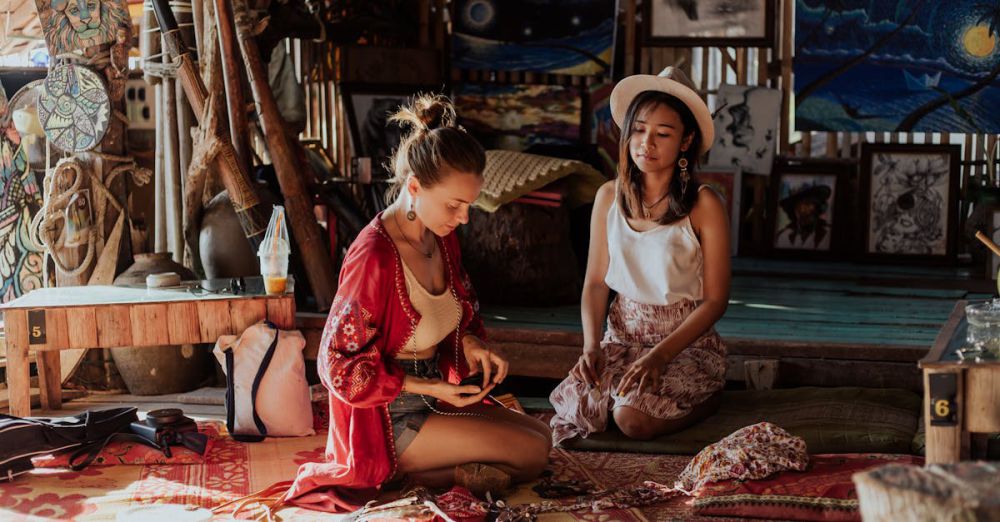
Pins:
x: 741, y: 60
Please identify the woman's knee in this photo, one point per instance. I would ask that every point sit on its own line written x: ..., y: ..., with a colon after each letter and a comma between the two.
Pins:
x: 531, y: 455
x: 635, y: 425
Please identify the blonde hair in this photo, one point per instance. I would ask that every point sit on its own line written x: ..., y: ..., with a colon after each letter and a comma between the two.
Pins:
x: 434, y: 139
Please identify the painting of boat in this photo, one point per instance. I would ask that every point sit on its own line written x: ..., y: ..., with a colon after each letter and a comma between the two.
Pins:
x: 921, y: 82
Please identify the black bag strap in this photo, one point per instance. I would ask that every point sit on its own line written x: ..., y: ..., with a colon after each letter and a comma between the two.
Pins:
x: 91, y: 451
x: 231, y: 393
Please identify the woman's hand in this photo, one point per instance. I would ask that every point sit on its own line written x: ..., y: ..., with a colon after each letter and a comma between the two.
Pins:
x: 480, y: 357
x: 459, y: 396
x: 644, y: 372
x: 589, y: 367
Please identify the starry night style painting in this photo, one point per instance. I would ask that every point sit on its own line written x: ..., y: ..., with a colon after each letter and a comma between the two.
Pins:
x: 897, y: 65
x: 549, y: 36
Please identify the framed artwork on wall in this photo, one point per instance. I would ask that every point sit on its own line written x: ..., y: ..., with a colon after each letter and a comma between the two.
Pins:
x: 517, y: 117
x: 746, y: 127
x: 368, y: 109
x: 706, y: 23
x: 808, y: 216
x: 728, y: 183
x: 909, y: 195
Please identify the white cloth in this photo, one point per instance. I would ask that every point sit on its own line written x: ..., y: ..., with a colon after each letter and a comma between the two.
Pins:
x: 660, y: 266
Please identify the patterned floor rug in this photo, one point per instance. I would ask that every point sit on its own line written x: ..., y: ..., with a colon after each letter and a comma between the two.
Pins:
x: 232, y: 470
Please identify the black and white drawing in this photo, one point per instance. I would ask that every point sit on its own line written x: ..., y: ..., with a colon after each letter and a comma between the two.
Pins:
x: 909, y: 202
x: 746, y: 127
x: 711, y: 22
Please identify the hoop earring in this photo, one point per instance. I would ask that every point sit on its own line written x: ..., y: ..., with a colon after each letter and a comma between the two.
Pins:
x: 410, y: 214
x: 685, y: 175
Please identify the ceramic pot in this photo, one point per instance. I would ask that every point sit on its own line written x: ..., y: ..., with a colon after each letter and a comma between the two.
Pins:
x: 158, y: 370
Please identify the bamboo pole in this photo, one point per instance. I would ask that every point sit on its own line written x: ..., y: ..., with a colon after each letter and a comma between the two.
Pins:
x: 237, y: 182
x: 232, y: 74
x: 160, y: 187
x: 287, y: 165
x: 172, y: 168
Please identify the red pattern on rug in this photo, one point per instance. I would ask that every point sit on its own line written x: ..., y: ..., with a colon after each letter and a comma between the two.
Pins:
x: 225, y: 473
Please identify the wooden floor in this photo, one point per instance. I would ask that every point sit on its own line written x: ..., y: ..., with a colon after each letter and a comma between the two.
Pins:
x: 796, y: 311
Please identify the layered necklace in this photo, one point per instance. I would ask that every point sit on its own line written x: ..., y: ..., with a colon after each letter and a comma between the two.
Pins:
x: 647, y: 210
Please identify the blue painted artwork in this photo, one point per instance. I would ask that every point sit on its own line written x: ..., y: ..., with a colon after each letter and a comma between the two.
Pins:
x: 897, y: 65
x: 548, y: 36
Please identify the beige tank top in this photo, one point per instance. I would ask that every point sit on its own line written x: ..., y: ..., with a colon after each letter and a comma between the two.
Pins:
x: 660, y: 266
x: 439, y: 314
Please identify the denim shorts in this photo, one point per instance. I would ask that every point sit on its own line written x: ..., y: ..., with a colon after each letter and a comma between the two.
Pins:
x: 408, y: 411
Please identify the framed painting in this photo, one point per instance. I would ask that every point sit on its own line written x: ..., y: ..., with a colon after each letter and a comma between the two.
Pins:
x: 573, y: 37
x: 746, y: 127
x: 368, y: 109
x: 728, y: 183
x: 516, y: 117
x: 706, y: 23
x: 909, y: 195
x: 808, y: 218
x: 897, y: 66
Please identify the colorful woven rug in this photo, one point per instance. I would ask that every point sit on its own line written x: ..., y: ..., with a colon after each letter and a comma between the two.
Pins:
x: 232, y: 470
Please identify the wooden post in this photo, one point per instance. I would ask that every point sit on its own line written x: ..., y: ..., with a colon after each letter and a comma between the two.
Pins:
x: 232, y: 73
x: 945, y: 443
x: 287, y: 165
x: 160, y: 187
x: 18, y: 380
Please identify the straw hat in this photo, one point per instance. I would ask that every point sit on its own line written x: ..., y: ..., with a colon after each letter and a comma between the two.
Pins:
x: 671, y: 81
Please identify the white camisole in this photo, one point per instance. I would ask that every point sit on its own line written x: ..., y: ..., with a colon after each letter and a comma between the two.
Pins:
x: 661, y: 266
x: 439, y: 314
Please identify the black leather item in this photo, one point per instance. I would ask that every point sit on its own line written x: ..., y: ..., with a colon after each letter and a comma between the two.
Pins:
x: 88, y: 432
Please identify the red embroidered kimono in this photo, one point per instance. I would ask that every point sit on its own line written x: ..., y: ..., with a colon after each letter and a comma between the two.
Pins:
x: 370, y: 321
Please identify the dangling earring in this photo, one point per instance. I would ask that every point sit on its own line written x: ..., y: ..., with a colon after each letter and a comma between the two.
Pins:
x: 410, y: 214
x: 685, y: 175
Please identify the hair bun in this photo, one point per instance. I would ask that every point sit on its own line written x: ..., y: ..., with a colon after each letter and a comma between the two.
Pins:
x: 434, y: 111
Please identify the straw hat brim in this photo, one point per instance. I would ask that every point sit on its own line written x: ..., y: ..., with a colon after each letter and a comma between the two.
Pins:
x: 632, y: 86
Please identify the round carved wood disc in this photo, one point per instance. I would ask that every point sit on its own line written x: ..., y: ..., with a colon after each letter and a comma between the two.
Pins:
x: 74, y: 108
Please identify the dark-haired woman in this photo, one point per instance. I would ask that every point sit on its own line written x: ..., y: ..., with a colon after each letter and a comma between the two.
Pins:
x: 404, y: 329
x: 660, y: 240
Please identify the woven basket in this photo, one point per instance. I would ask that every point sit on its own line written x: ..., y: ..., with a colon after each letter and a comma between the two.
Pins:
x: 968, y: 491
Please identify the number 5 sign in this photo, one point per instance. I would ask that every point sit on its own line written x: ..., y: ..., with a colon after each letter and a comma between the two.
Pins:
x: 36, y: 327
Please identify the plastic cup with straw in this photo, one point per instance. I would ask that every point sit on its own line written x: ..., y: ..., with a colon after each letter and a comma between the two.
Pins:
x: 273, y: 253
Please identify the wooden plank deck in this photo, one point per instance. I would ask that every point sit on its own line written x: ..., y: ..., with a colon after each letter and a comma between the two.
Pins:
x: 872, y: 319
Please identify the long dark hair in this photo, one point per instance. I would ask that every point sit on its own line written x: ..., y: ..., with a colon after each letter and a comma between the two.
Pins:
x: 630, y: 186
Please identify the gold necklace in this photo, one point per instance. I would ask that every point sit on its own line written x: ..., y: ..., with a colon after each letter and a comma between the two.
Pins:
x: 428, y: 255
x: 648, y: 209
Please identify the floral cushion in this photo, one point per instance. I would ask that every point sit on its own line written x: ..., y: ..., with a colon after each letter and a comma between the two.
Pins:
x: 749, y: 453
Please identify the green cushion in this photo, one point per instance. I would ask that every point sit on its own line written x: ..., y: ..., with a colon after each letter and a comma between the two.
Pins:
x: 831, y: 420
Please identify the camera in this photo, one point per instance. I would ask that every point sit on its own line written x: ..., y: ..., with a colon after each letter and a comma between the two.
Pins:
x: 170, y: 427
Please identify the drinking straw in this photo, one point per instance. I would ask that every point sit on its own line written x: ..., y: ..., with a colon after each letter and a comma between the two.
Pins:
x: 277, y: 233
x: 988, y: 242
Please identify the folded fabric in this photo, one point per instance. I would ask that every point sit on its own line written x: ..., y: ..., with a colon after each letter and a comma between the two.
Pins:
x: 753, y: 452
x: 135, y: 453
x: 823, y: 491
x: 510, y: 175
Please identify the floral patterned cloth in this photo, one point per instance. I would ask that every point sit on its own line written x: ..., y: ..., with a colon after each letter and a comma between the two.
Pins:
x: 749, y: 453
x: 633, y: 329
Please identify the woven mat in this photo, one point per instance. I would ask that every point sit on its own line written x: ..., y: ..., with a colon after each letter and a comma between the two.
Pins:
x: 831, y: 420
x: 232, y: 470
x: 510, y: 175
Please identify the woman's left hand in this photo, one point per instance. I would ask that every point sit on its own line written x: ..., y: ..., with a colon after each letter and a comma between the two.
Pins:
x: 479, y: 356
x: 644, y: 372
